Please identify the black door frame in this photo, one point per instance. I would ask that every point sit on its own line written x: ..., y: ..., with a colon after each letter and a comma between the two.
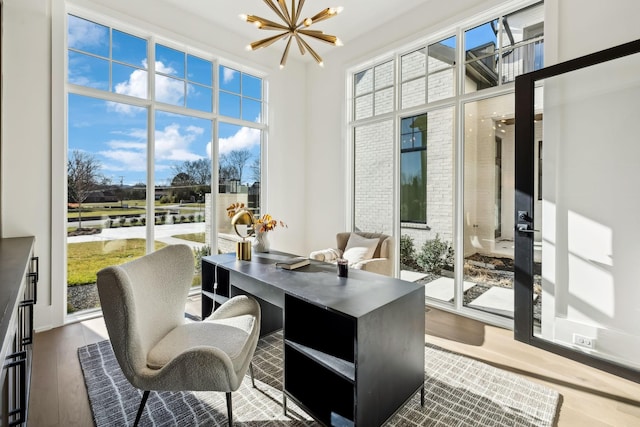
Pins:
x: 524, y: 207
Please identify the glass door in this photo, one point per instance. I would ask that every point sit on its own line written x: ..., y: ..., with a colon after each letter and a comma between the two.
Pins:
x: 582, y: 303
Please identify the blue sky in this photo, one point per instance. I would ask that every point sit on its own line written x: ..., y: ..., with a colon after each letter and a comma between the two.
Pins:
x: 116, y: 133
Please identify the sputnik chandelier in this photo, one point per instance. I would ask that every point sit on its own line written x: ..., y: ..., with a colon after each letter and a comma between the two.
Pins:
x: 292, y: 28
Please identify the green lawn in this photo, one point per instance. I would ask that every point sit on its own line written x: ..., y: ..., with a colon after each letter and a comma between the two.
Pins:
x: 84, y: 260
x: 192, y: 237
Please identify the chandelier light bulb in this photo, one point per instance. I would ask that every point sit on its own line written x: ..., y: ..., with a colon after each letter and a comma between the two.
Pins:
x: 243, y: 17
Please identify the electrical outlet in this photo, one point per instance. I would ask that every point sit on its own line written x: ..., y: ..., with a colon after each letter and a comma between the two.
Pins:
x: 584, y: 341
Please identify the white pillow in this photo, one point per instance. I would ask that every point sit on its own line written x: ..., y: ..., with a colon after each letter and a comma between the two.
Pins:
x: 359, y: 248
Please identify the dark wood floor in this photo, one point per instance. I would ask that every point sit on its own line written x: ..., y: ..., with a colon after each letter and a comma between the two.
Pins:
x: 590, y: 397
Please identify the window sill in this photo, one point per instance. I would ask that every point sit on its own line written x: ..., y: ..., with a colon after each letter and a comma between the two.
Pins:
x: 415, y: 226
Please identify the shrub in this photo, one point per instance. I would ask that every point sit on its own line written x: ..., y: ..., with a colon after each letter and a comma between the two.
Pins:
x: 407, y: 251
x: 122, y: 221
x: 192, y: 218
x: 134, y: 221
x: 198, y: 253
x: 435, y: 255
x: 175, y: 219
x: 182, y: 219
x: 143, y: 221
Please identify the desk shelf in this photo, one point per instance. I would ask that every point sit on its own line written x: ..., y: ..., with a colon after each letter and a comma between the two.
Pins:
x: 334, y: 364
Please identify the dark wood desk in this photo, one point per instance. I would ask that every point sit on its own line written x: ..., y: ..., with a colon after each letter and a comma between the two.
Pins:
x: 353, y: 347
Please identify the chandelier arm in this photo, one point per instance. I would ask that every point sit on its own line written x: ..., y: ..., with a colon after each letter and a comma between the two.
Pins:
x: 285, y: 54
x: 324, y: 14
x: 298, y: 12
x: 266, y: 24
x: 268, y: 41
x: 276, y: 10
x: 285, y: 11
x: 311, y: 51
x: 327, y: 38
x: 300, y: 45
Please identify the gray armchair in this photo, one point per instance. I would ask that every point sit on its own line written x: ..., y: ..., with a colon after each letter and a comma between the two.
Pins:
x: 143, y: 304
x: 379, y: 261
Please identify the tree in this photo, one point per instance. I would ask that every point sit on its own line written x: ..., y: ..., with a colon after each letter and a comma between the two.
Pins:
x: 197, y: 171
x: 182, y: 179
x: 226, y: 171
x: 82, y: 178
x: 255, y: 170
x: 237, y: 159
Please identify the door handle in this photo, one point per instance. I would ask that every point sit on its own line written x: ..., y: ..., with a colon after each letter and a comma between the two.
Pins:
x: 524, y: 228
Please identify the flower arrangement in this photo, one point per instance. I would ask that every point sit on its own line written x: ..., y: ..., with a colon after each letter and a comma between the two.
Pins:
x: 261, y: 224
x: 267, y: 223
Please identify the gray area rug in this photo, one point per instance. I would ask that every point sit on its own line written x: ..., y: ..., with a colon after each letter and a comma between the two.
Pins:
x: 459, y: 392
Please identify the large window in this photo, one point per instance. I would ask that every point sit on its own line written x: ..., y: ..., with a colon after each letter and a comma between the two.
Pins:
x: 144, y: 138
x: 428, y: 129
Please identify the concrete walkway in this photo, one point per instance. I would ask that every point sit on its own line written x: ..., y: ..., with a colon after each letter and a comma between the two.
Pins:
x: 163, y: 233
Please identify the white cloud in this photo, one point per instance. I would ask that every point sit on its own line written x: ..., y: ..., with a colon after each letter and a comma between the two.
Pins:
x: 171, y: 144
x: 130, y: 145
x: 196, y: 130
x: 129, y: 151
x: 168, y: 90
x: 135, y: 86
x: 127, y: 154
x: 245, y: 138
x: 84, y: 34
x: 228, y: 74
x: 165, y: 69
x: 125, y: 160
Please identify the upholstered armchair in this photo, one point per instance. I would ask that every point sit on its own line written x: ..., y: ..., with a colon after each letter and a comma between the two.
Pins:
x: 364, y: 251
x: 143, y: 303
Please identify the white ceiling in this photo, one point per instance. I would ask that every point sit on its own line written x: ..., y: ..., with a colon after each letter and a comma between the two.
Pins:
x: 357, y: 18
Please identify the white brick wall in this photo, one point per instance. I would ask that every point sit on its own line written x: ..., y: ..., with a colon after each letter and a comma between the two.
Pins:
x: 374, y: 177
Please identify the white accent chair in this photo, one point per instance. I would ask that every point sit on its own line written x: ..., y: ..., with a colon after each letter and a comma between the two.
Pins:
x: 143, y: 303
x: 365, y: 251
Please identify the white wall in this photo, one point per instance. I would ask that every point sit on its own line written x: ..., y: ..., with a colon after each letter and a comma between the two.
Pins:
x: 26, y: 132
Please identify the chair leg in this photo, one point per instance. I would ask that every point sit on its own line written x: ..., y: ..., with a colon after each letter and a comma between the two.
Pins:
x: 145, y: 396
x: 253, y: 378
x: 229, y: 409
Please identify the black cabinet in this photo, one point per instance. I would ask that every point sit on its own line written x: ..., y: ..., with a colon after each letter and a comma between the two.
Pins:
x: 18, y: 296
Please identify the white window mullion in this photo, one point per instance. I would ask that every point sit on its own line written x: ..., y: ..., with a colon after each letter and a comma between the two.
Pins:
x: 151, y: 145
